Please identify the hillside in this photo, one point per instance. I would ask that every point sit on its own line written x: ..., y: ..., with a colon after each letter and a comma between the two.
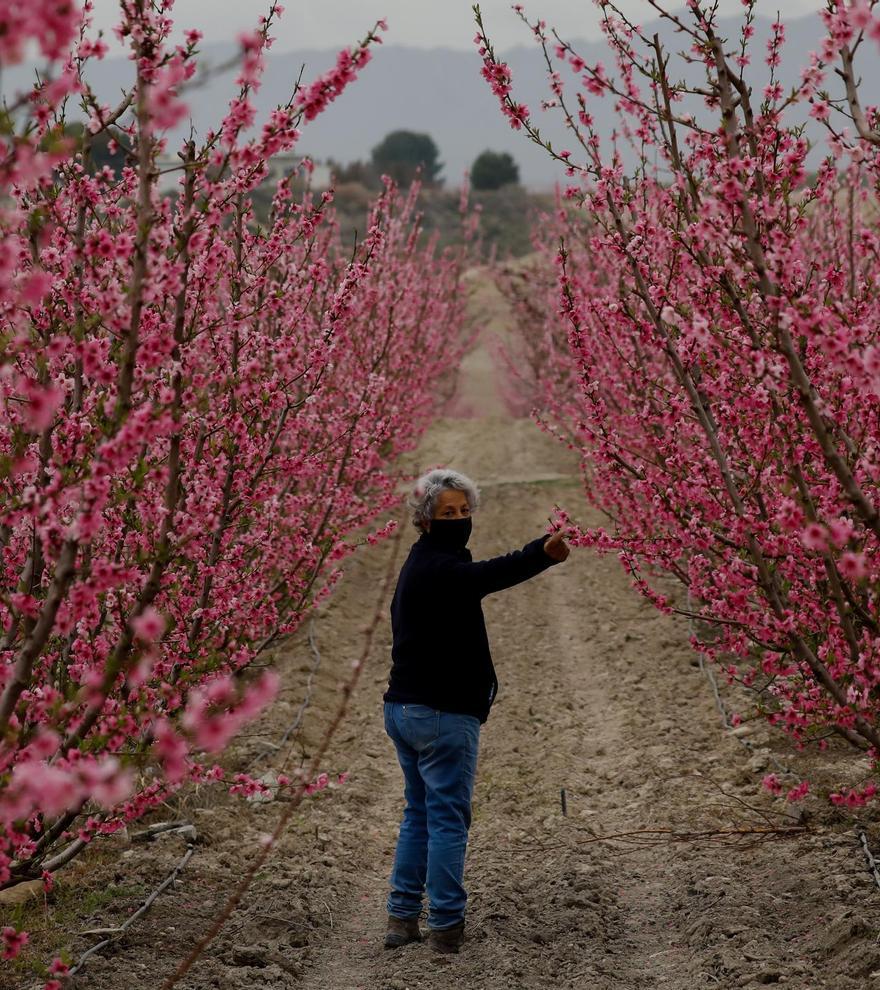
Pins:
x: 440, y: 91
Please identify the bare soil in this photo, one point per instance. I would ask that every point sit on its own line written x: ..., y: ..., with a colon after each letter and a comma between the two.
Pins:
x: 600, y: 696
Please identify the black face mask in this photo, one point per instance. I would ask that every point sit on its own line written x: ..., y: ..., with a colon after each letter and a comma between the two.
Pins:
x: 450, y: 534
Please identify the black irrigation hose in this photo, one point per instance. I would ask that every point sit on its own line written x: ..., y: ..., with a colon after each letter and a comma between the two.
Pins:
x: 872, y: 863
x: 185, y: 828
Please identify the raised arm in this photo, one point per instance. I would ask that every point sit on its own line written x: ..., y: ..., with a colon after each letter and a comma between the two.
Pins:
x: 483, y: 577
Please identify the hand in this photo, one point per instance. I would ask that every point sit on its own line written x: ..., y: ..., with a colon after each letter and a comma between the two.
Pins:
x: 556, y: 547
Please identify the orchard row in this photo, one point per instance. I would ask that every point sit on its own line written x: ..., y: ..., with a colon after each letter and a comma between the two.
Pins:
x: 200, y: 415
x: 704, y: 329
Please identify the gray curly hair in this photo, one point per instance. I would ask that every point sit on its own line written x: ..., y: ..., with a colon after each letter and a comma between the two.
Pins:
x: 423, y: 499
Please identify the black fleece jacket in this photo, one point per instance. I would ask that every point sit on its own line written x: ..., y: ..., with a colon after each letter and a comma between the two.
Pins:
x: 440, y: 651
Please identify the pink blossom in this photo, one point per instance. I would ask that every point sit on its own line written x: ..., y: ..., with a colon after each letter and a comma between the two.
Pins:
x: 52, y: 25
x: 41, y: 404
x: 259, y: 694
x: 852, y: 566
x: 212, y: 734
x: 815, y: 537
x: 166, y: 107
x: 799, y: 792
x: 854, y: 798
x: 171, y: 749
x: 860, y: 14
x: 517, y: 114
x: 247, y: 786
x: 25, y: 604
x: 790, y: 515
x: 771, y: 783
x: 35, y: 287
x: 323, y: 91
x: 148, y: 626
x: 320, y: 783
x: 840, y: 530
x: 13, y: 942
x: 51, y: 788
x: 107, y: 782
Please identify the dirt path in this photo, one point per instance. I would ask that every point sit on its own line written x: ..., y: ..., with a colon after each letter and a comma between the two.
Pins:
x: 600, y: 696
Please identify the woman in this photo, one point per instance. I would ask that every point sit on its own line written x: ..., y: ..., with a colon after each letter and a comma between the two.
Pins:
x: 441, y: 687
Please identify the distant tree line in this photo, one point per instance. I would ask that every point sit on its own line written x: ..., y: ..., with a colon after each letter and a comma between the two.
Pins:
x: 401, y: 154
x: 406, y: 154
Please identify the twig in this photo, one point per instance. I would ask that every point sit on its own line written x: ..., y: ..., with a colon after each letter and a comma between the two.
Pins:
x: 347, y: 691
x: 750, y: 807
x: 278, y: 917
x: 114, y: 933
x: 657, y: 836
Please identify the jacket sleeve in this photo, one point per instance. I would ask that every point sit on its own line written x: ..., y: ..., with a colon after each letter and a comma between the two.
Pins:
x: 483, y: 577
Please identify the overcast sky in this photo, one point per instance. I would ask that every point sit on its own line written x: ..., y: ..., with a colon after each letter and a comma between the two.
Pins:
x: 424, y: 23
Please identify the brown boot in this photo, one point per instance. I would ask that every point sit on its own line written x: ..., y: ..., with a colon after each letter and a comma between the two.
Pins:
x: 401, y: 931
x: 446, y: 939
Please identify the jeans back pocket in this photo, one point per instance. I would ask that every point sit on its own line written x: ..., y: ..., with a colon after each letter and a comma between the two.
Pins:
x: 421, y: 724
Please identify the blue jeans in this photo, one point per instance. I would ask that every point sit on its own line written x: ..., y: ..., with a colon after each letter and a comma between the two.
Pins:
x: 438, y: 754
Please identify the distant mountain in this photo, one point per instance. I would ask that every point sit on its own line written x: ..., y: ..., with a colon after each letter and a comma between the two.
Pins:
x: 441, y: 92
